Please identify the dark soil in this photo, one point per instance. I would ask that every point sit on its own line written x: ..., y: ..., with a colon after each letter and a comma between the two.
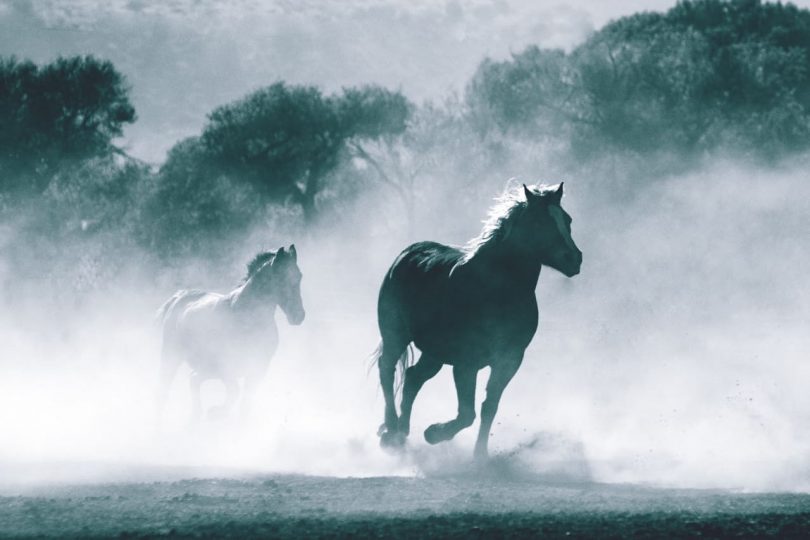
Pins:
x: 448, y: 507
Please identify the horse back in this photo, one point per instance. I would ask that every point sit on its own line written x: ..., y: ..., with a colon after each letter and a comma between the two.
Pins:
x: 422, y: 269
x: 171, y: 309
x: 414, y: 289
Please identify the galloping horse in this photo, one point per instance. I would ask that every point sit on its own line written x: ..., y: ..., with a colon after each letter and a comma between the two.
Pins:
x: 470, y: 308
x: 230, y: 336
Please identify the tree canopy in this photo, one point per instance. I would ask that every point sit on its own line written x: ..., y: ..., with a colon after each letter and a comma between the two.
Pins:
x: 703, y: 76
x: 707, y: 73
x: 68, y: 110
x: 285, y: 139
x: 279, y: 145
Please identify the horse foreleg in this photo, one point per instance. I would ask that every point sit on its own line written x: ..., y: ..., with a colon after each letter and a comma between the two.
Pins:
x: 415, y: 377
x: 221, y: 412
x: 499, y: 377
x: 464, y: 378
x: 195, y: 382
x: 387, y: 363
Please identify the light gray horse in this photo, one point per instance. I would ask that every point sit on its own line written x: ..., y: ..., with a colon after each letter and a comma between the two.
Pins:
x: 230, y: 336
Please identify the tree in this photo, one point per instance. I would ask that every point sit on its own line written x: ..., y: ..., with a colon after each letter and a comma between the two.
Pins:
x: 190, y: 206
x: 66, y: 111
x: 706, y: 74
x: 435, y: 158
x: 284, y: 140
x: 530, y: 93
x: 642, y: 85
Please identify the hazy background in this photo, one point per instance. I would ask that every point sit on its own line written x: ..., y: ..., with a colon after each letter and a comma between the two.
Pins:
x: 183, y: 58
x: 677, y: 357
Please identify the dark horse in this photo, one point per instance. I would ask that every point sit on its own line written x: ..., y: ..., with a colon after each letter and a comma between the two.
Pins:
x: 470, y: 308
x: 230, y: 336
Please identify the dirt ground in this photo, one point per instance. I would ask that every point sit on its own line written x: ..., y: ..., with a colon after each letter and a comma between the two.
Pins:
x: 485, y: 505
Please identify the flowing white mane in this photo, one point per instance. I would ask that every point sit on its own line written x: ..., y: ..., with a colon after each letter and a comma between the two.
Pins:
x: 500, y: 218
x: 258, y: 262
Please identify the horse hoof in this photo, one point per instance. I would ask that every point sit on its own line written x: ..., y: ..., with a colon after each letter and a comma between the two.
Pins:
x: 434, y: 435
x: 481, y: 457
x: 392, y: 439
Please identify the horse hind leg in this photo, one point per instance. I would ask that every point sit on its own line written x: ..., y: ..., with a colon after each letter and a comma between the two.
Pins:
x: 390, y: 352
x: 415, y: 376
x: 464, y: 378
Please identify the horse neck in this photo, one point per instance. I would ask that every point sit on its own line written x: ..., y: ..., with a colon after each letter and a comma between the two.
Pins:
x: 247, y: 297
x: 506, y: 264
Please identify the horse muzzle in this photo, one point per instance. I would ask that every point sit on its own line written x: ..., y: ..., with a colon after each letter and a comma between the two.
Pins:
x: 570, y: 264
x: 296, y: 318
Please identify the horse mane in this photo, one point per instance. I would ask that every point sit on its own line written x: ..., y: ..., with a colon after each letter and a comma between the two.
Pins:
x: 258, y: 261
x: 508, y: 207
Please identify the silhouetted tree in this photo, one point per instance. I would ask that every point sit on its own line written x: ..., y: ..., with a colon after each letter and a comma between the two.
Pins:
x: 705, y: 74
x: 531, y: 93
x: 190, y: 205
x: 438, y: 155
x: 284, y: 140
x: 65, y: 111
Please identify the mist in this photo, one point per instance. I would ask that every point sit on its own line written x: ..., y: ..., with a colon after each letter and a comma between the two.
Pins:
x: 674, y: 359
x: 201, y: 55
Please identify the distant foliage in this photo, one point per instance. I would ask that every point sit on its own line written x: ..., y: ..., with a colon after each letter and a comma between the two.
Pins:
x: 278, y: 147
x: 647, y: 93
x: 189, y: 206
x: 68, y: 194
x: 529, y: 94
x: 59, y: 113
x: 704, y: 75
x: 284, y: 140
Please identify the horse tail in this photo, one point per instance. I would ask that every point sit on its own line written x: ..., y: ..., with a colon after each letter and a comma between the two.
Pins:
x: 404, y: 361
x: 374, y: 357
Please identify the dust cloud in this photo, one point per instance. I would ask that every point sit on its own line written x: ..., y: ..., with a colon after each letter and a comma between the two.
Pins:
x: 676, y: 358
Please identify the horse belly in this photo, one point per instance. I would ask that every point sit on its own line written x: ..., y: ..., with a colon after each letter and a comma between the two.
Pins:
x: 215, y: 346
x: 231, y: 359
x: 478, y: 334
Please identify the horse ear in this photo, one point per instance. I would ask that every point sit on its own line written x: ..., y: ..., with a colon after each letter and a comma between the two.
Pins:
x: 530, y: 195
x: 280, y: 252
x: 556, y: 195
x: 293, y: 252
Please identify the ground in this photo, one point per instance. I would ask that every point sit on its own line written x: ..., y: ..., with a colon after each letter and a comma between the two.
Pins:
x: 486, y: 505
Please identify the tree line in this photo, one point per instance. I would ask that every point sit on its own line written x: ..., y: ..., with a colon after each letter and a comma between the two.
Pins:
x: 706, y: 76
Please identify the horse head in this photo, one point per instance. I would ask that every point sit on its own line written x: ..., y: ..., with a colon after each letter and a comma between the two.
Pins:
x: 547, y: 228
x: 279, y: 277
x: 288, y: 284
